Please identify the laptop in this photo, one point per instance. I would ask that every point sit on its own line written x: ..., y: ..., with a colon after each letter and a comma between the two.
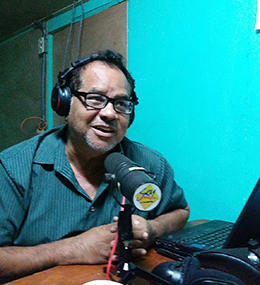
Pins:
x: 214, y: 234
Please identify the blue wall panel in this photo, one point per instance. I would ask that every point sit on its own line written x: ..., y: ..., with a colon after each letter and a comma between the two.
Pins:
x: 196, y: 65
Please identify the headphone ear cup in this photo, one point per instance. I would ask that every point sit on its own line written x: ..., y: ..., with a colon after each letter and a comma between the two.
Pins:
x: 190, y: 266
x: 177, y: 272
x: 61, y: 100
x: 212, y: 276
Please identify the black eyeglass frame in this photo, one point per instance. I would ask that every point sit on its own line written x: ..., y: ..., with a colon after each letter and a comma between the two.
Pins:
x: 80, y: 94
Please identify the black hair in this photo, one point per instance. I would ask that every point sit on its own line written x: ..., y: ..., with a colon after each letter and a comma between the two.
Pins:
x: 110, y: 57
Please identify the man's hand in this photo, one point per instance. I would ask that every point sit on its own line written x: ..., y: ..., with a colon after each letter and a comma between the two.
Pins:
x: 143, y: 235
x: 145, y: 231
x: 90, y: 247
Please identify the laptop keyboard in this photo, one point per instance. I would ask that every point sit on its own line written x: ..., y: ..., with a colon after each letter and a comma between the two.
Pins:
x: 210, y: 240
x: 212, y: 236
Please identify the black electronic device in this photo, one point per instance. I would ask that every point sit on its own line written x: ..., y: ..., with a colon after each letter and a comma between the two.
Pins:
x: 242, y: 262
x: 62, y: 94
x: 189, y: 272
x: 215, y: 234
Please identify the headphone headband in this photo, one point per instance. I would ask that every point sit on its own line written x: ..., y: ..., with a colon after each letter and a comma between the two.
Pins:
x: 61, y: 93
x: 63, y: 76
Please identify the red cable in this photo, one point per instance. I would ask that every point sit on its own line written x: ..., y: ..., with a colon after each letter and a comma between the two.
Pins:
x: 39, y: 125
x: 109, y: 264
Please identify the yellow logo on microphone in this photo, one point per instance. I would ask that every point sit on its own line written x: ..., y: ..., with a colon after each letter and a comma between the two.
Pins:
x: 147, y: 196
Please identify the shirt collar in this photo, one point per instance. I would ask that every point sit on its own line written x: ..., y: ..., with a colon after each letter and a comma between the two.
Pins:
x: 51, y: 146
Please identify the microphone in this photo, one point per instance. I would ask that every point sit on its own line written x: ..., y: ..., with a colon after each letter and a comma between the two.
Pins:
x: 135, y: 184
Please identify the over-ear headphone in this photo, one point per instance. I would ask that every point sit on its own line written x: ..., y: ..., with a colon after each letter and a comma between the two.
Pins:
x: 62, y: 95
x: 189, y: 272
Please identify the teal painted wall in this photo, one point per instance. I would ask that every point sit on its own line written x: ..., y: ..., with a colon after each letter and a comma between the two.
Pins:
x: 197, y: 70
x: 196, y: 65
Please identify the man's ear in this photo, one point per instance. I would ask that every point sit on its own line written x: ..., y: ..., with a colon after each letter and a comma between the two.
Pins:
x: 131, y: 118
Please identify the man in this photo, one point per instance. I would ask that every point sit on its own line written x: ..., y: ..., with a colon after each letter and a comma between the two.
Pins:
x: 55, y: 207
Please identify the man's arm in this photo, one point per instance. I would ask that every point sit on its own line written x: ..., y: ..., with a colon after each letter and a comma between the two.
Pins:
x: 91, y: 247
x: 170, y: 222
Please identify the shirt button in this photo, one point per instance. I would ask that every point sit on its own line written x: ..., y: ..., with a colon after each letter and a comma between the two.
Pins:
x: 92, y: 209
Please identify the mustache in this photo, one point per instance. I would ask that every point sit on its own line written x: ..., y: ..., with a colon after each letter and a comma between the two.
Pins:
x: 110, y: 125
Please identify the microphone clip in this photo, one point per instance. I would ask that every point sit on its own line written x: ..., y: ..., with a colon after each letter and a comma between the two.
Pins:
x: 110, y: 178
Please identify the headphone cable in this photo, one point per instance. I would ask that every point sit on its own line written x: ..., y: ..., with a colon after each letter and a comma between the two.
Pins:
x: 68, y: 37
x: 80, y: 29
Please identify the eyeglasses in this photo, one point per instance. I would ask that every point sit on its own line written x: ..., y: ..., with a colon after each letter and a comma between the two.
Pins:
x: 99, y: 101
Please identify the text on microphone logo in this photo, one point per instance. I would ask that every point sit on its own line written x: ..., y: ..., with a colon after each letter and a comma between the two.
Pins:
x: 147, y: 196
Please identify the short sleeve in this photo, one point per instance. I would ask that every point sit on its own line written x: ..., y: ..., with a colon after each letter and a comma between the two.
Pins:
x: 11, y: 208
x: 172, y: 194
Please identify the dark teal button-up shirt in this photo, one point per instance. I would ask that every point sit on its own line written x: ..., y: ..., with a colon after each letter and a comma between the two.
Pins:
x: 41, y: 200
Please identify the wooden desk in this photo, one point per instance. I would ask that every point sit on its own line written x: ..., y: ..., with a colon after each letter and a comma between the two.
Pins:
x: 78, y: 274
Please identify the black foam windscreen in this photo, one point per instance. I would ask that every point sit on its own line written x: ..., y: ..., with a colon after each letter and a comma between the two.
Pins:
x: 127, y: 172
x: 135, y: 184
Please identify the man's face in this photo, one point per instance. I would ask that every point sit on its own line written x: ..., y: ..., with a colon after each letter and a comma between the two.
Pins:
x: 101, y: 129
